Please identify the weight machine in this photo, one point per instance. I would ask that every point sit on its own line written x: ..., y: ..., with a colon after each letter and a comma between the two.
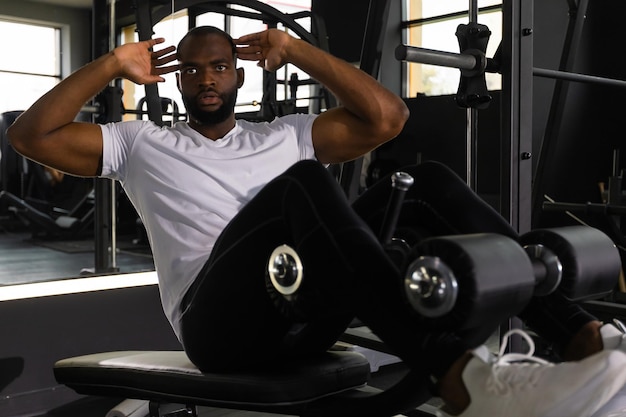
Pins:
x: 516, y: 175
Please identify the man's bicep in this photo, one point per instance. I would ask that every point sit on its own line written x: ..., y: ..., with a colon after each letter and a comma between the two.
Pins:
x: 338, y: 136
x: 75, y: 149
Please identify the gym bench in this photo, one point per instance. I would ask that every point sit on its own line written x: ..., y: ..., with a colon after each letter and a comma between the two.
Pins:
x: 328, y: 385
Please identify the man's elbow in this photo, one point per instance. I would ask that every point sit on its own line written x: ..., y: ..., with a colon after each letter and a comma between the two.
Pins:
x: 395, y: 118
x: 402, y: 115
x: 13, y: 136
x: 21, y: 138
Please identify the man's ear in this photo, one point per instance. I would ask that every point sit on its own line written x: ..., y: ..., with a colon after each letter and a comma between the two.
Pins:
x: 240, y: 77
x: 178, y: 82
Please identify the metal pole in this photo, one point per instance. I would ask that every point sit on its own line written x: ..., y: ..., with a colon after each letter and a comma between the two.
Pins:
x: 112, y: 185
x: 471, y: 148
x: 473, y: 11
x: 582, y: 78
x: 104, y: 228
x: 433, y: 57
x: 516, y: 125
x: 471, y: 131
x: 143, y: 17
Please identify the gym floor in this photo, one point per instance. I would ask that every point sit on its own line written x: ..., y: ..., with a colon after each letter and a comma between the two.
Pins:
x: 24, y: 259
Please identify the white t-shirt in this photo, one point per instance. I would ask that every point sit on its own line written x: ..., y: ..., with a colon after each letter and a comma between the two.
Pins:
x: 186, y: 188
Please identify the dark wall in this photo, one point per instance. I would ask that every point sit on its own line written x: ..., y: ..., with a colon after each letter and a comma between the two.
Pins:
x: 345, y: 23
x: 436, y: 130
x: 593, y: 115
x: 36, y: 332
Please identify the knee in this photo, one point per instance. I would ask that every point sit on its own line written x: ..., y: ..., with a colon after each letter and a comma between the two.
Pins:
x: 311, y: 175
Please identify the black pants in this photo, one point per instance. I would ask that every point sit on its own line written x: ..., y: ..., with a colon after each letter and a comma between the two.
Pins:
x: 230, y: 322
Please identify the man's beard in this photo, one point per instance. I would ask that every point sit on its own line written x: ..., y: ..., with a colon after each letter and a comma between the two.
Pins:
x: 211, y: 117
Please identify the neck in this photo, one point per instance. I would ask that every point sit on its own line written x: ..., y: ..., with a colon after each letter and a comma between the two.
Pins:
x: 213, y: 131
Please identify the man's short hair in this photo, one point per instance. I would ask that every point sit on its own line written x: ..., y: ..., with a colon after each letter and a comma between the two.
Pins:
x: 209, y: 30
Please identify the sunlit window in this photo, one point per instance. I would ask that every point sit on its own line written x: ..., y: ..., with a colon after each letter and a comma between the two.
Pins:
x: 432, y: 24
x: 34, y: 67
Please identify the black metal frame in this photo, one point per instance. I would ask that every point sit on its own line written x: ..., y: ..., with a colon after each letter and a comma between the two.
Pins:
x: 514, y: 62
x: 516, y: 128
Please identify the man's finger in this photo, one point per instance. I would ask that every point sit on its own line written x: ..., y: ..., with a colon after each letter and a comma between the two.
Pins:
x: 248, y: 39
x: 166, y: 70
x: 164, y: 51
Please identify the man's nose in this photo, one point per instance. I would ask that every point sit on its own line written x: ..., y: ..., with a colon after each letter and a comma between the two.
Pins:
x: 206, y: 77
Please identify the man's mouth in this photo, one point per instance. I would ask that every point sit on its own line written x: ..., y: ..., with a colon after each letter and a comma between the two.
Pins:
x: 208, y: 98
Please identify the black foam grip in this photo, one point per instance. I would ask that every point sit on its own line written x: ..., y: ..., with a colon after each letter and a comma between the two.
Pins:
x: 591, y: 262
x: 494, y: 274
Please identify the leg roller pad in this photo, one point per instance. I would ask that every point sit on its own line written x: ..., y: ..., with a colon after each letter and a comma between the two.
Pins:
x: 590, y: 261
x: 493, y: 274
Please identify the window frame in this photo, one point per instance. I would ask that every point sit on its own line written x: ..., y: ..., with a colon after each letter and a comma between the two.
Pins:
x: 59, y: 32
x: 411, y: 70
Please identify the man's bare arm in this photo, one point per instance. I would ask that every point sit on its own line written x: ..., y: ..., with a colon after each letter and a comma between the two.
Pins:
x: 369, y: 114
x: 47, y: 132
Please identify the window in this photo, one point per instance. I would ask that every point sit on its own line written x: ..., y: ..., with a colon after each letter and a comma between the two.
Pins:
x: 37, y: 67
x: 432, y: 24
x: 172, y: 29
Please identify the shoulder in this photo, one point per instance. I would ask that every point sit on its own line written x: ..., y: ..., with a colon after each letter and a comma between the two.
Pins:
x: 129, y: 129
x: 297, y: 119
x: 290, y: 121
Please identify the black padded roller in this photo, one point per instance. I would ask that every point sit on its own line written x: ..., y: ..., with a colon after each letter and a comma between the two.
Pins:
x: 494, y: 275
x: 590, y: 261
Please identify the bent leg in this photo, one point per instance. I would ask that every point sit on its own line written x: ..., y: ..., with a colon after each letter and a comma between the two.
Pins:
x: 229, y: 320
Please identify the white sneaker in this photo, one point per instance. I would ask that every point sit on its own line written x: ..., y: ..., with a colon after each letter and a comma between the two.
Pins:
x: 520, y: 385
x: 615, y: 407
x: 614, y: 336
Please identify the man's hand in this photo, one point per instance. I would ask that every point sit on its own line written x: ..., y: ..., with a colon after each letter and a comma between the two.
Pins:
x: 369, y: 114
x: 267, y: 47
x: 139, y: 64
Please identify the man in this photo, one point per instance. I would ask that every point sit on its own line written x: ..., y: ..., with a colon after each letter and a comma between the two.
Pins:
x: 217, y: 195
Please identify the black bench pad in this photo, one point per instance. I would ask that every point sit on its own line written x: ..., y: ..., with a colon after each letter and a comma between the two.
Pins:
x: 169, y: 376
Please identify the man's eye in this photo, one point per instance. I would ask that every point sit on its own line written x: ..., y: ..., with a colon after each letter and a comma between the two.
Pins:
x: 221, y: 68
x: 191, y: 71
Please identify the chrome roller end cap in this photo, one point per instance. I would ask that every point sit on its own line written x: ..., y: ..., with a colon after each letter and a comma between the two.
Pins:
x: 431, y: 287
x: 285, y: 270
